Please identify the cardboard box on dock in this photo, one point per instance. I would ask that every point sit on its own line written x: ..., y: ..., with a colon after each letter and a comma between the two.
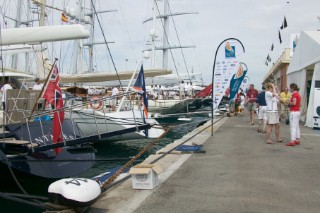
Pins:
x: 145, y: 176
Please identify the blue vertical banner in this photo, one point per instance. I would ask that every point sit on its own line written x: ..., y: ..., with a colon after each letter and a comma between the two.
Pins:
x: 237, y: 79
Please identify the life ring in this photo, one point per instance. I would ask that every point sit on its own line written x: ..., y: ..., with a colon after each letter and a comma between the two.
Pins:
x: 96, y: 103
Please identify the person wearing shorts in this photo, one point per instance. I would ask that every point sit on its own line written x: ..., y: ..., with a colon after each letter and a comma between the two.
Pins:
x: 272, y: 100
x: 251, y: 102
x: 262, y: 110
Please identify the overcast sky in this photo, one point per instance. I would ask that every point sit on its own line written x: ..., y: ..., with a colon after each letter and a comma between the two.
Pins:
x: 254, y: 22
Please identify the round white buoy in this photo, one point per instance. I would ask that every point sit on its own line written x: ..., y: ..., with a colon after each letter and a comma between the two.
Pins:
x: 74, y: 192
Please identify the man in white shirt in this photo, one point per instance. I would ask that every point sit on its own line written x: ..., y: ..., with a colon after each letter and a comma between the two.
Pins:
x: 272, y: 100
x: 190, y: 90
x: 181, y: 90
x: 187, y: 89
x: 38, y: 85
x: 4, y: 89
x: 151, y: 95
x: 114, y: 94
x: 160, y: 93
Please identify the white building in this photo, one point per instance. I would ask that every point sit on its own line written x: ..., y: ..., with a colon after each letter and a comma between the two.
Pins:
x: 304, y: 70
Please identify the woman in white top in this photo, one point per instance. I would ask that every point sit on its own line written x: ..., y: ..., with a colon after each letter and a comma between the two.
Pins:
x: 272, y: 100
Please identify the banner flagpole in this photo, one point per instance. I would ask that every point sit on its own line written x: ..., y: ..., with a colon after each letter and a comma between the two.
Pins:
x: 213, y: 71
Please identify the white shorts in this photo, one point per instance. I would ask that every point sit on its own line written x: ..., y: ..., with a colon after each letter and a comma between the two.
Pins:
x: 262, y: 113
x: 272, y: 118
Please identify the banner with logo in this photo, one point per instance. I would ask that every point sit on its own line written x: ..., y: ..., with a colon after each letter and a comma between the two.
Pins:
x: 237, y: 79
x: 225, y: 67
x: 294, y: 39
x: 245, y: 84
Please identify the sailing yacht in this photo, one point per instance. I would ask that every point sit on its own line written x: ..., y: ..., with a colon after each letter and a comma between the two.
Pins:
x: 89, y: 119
x: 168, y: 104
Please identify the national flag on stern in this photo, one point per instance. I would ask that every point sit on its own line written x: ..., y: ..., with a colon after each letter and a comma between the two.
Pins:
x: 140, y: 88
x: 53, y: 95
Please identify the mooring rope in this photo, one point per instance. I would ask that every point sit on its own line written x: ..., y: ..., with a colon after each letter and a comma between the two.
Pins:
x: 146, y: 148
x: 161, y: 156
x: 110, y: 182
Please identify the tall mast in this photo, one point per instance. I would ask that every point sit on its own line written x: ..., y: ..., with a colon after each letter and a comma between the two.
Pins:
x: 165, y: 48
x: 85, y: 18
x: 77, y: 49
x: 27, y: 62
x: 91, y: 39
x: 14, y: 62
x: 165, y: 36
x: 153, y: 35
x: 42, y: 12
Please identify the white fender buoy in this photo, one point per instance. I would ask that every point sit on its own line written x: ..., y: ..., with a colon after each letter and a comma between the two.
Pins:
x: 74, y: 192
x: 184, y: 119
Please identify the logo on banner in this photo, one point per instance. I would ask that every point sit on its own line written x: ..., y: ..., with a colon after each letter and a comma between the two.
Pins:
x: 230, y: 51
x: 227, y: 55
x: 237, y: 80
x: 295, y: 42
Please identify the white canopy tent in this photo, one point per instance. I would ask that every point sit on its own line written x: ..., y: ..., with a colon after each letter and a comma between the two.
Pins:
x: 304, y: 68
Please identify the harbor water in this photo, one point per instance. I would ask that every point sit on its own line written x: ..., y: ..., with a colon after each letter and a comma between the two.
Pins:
x: 120, y: 151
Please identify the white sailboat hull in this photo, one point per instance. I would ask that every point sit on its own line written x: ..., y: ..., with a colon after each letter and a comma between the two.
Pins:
x: 94, y: 122
x: 158, y: 105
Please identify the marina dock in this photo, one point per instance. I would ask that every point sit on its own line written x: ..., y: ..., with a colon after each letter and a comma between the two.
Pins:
x: 237, y: 173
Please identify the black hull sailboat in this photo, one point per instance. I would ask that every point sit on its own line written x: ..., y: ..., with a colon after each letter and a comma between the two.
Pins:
x: 19, y: 144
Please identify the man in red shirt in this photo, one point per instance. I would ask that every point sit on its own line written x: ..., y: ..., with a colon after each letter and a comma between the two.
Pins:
x: 294, y: 104
x: 251, y: 102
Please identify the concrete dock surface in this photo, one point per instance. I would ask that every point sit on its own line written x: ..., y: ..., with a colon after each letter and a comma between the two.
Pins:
x: 238, y: 173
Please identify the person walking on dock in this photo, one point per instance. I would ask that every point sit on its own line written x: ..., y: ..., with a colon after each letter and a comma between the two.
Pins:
x: 251, y: 102
x: 294, y: 104
x: 272, y: 100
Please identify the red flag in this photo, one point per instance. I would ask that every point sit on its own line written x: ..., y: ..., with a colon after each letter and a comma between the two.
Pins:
x: 205, y: 92
x: 53, y: 95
